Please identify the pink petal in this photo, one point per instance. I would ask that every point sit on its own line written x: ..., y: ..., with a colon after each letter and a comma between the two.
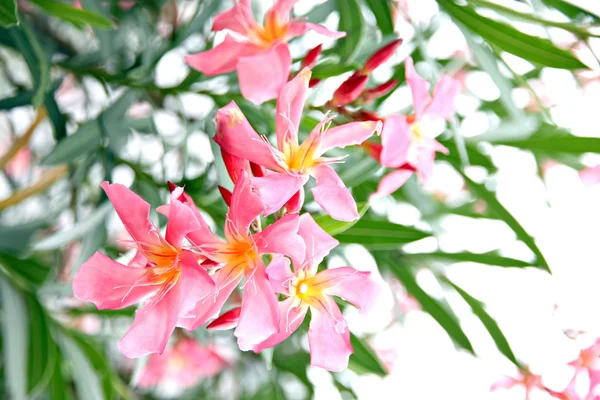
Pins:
x: 235, y: 165
x: 355, y: 287
x: 290, y: 105
x: 426, y: 154
x: 228, y: 320
x: 155, y: 369
x: 110, y: 285
x: 418, y: 86
x: 205, y: 362
x: 259, y: 317
x: 395, y: 141
x: 444, y: 94
x: 237, y: 137
x: 590, y: 176
x: 318, y: 242
x: 282, y: 237
x: 246, y: 205
x: 290, y: 318
x: 262, y: 76
x: 506, y: 382
x: 301, y: 28
x: 276, y: 189
x: 295, y: 203
x: 195, y: 282
x: 238, y: 18
x: 222, y: 58
x: 282, y: 10
x: 152, y: 326
x: 331, y: 194
x: 134, y: 212
x: 391, y: 182
x: 350, y: 134
x: 279, y: 274
x: 182, y: 220
x: 329, y: 337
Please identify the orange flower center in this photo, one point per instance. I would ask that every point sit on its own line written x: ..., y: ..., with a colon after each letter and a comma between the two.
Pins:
x: 271, y: 31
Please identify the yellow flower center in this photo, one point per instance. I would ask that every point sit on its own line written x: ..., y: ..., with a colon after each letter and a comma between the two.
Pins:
x: 271, y: 31
x: 416, y: 133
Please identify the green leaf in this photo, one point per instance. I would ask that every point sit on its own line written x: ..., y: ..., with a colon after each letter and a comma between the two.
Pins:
x: 331, y: 67
x: 86, y: 379
x: 58, y: 387
x: 380, y: 235
x: 497, y: 210
x: 8, y: 13
x: 489, y: 323
x: 42, y: 348
x: 570, y: 10
x: 551, y: 139
x: 363, y: 358
x: 535, y: 49
x: 78, y: 17
x: 14, y: 337
x: 443, y: 316
x: 485, y: 258
x: 351, y: 22
x: 335, y: 227
x: 14, y: 239
x: 294, y: 363
x: 382, y: 9
x: 27, y: 273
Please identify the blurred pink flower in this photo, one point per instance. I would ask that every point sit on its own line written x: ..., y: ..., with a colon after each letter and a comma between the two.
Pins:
x: 590, y: 176
x: 184, y: 364
x: 531, y: 382
x: 295, y: 162
x: 18, y: 167
x: 260, y: 54
x: 162, y: 271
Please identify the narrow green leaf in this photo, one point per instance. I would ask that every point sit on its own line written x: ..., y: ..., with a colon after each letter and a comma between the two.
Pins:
x: 351, y: 22
x: 551, y: 139
x: 363, y: 358
x: 382, y: 9
x: 58, y: 387
x: 331, y: 67
x: 14, y: 239
x: 489, y: 323
x: 380, y: 235
x: 86, y: 378
x: 8, y: 13
x: 535, y: 49
x: 42, y: 348
x: 570, y: 10
x: 335, y: 227
x: 486, y: 258
x: 76, y: 16
x: 85, y: 140
x: 443, y: 316
x: 296, y: 364
x: 27, y: 273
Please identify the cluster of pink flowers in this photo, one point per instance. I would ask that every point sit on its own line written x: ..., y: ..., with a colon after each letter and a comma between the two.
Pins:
x: 184, y: 277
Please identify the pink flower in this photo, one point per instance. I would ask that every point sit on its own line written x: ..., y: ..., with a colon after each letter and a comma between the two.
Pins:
x: 405, y: 140
x: 590, y: 176
x: 260, y: 54
x: 295, y: 162
x: 162, y: 271
x: 184, y: 364
x: 531, y: 382
x: 587, y: 363
x: 238, y: 257
x: 328, y: 336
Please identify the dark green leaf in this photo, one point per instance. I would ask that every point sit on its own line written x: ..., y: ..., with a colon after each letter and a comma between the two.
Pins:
x: 382, y: 9
x: 296, y: 364
x: 76, y: 16
x: 331, y: 67
x: 486, y: 258
x: 27, y: 273
x: 351, y: 22
x: 363, y: 358
x: 42, y: 348
x: 535, y: 49
x: 334, y: 227
x: 489, y: 323
x: 570, y: 10
x: 552, y: 139
x: 380, y: 235
x: 8, y: 13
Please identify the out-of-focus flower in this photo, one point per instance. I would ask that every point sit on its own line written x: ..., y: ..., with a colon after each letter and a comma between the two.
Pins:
x: 532, y: 384
x: 239, y: 256
x: 406, y: 140
x: 590, y: 176
x: 295, y: 162
x: 260, y: 54
x: 162, y: 271
x: 328, y: 336
x: 183, y: 364
x: 586, y: 377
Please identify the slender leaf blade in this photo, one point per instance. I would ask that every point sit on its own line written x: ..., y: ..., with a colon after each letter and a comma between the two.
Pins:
x: 8, y: 13
x: 76, y: 16
x: 351, y: 22
x: 363, y: 358
x: 382, y: 10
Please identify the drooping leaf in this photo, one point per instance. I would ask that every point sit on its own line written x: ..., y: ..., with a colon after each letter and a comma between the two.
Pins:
x: 351, y: 22
x: 364, y: 359
x: 8, y: 13
x: 380, y: 235
x: 382, y: 9
x: 86, y: 379
x: 27, y: 273
x: 485, y: 258
x: 78, y: 17
x: 551, y: 139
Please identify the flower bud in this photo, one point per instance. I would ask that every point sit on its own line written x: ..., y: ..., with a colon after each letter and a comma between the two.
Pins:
x: 373, y: 94
x: 380, y: 56
x: 228, y: 320
x: 226, y: 194
x: 310, y: 60
x: 350, y: 90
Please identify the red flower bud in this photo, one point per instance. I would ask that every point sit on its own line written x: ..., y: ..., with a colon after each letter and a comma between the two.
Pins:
x: 373, y: 150
x: 364, y: 115
x: 228, y: 320
x: 172, y: 186
x: 350, y: 90
x: 226, y: 194
x: 313, y: 82
x: 380, y: 56
x: 234, y: 165
x: 257, y: 170
x: 311, y: 57
x: 379, y: 91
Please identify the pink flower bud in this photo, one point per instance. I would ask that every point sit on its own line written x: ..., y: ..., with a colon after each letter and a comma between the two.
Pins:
x: 372, y: 94
x: 228, y: 320
x: 311, y: 57
x: 350, y: 90
x: 380, y: 56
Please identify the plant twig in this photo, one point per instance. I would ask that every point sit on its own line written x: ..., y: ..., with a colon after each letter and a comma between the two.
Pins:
x: 24, y: 139
x: 47, y: 179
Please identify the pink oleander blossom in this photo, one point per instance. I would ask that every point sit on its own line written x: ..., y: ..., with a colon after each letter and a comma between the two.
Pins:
x: 586, y: 374
x: 184, y: 364
x: 406, y: 139
x: 293, y: 162
x: 328, y: 335
x: 162, y: 273
x: 260, y: 54
x: 238, y: 257
x: 532, y: 384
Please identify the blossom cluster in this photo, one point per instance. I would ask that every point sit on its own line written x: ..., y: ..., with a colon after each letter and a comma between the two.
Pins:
x: 184, y: 277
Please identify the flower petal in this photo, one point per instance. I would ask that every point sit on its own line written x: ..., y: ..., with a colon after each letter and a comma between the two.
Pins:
x: 279, y: 274
x: 290, y: 318
x: 235, y: 165
x: 395, y: 141
x: 318, y: 242
x: 238, y: 18
x: 222, y: 58
x: 259, y: 317
x: 282, y: 237
x: 246, y: 205
x: 152, y: 326
x: 111, y: 285
x: 262, y: 76
x: 282, y: 9
x: 295, y: 203
x: 331, y: 194
x: 353, y: 286
x: 301, y: 28
x: 350, y: 134
x: 227, y: 320
x: 237, y: 137
x: 444, y: 94
x: 276, y: 189
x: 290, y: 105
x: 418, y: 86
x: 391, y: 182
x: 195, y: 282
x: 182, y: 220
x: 328, y: 337
x: 155, y: 369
